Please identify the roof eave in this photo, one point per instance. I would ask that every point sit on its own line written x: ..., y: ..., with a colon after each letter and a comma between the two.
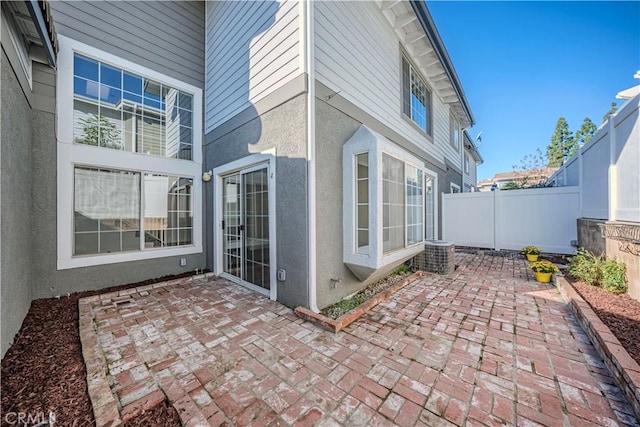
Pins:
x: 45, y: 32
x: 426, y: 21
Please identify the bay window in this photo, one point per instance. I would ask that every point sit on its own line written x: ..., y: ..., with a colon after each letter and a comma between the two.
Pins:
x: 383, y: 203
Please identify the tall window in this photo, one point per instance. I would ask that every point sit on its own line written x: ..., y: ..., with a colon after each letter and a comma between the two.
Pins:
x: 362, y: 202
x: 414, y: 205
x: 466, y: 163
x: 454, y: 132
x: 430, y: 214
x: 416, y: 98
x: 393, y: 203
x: 129, y: 159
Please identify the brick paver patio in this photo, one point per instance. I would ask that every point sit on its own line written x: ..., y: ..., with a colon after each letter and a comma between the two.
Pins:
x: 485, y: 346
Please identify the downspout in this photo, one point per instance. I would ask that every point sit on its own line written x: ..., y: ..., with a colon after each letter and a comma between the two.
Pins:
x: 311, y: 149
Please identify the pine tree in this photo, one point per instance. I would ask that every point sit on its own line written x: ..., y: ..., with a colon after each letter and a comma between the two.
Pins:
x: 562, y: 142
x: 613, y: 109
x: 585, y: 133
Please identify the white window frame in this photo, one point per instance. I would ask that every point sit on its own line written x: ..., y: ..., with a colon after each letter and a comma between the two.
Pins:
x: 455, y: 132
x: 366, y: 140
x: 428, y: 173
x: 429, y: 92
x: 454, y: 188
x: 467, y: 163
x: 267, y: 158
x: 70, y: 154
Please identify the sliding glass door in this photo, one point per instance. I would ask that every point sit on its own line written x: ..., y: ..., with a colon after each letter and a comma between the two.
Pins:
x: 245, y: 234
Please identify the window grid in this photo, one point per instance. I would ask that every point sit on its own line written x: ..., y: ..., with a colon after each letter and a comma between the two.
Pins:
x: 416, y: 97
x: 107, y: 211
x: 362, y: 203
x: 414, y: 205
x: 168, y: 212
x: 117, y: 109
x: 231, y: 218
x: 256, y: 218
x: 393, y: 204
x: 106, y: 220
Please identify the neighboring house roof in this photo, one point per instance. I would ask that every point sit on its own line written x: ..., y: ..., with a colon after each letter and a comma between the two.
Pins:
x: 518, y: 176
x: 628, y: 93
x: 469, y: 145
x: 34, y: 21
x: 426, y: 21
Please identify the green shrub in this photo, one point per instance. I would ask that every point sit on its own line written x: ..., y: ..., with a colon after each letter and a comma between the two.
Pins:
x: 584, y: 266
x: 599, y: 271
x: 613, y: 276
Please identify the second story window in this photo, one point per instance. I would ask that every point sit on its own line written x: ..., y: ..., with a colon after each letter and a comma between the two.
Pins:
x: 416, y: 98
x: 455, y: 132
x: 466, y: 163
x: 118, y: 109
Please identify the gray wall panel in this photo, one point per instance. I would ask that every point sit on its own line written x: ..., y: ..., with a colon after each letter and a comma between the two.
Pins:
x: 284, y: 128
x: 15, y: 205
x: 44, y: 88
x: 173, y: 46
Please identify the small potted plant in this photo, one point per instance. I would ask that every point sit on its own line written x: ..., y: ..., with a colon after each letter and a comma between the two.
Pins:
x: 531, y: 252
x: 543, y: 270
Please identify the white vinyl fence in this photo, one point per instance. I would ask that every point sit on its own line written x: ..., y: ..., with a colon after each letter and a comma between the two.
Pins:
x: 512, y: 219
x: 607, y: 168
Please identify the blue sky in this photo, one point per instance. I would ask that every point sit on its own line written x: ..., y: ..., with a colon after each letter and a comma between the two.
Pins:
x: 525, y: 64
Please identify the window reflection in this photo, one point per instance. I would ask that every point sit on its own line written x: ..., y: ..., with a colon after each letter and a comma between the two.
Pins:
x: 120, y: 110
x: 168, y: 213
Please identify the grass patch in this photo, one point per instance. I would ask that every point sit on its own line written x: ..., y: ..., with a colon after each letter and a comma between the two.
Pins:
x: 349, y: 303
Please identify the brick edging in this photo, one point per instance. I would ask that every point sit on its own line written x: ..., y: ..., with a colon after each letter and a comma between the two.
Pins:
x: 624, y: 368
x: 106, y: 407
x: 353, y: 314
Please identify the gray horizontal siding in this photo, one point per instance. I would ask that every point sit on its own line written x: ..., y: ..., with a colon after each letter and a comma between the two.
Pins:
x: 165, y: 36
x: 253, y: 49
x: 44, y: 91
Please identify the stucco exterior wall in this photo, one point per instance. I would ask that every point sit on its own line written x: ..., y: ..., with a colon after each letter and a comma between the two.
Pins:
x: 15, y: 205
x: 590, y: 235
x: 333, y: 129
x: 284, y: 129
x: 631, y: 261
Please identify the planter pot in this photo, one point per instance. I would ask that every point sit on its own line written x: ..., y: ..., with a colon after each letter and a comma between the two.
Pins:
x: 543, y: 277
x: 532, y: 257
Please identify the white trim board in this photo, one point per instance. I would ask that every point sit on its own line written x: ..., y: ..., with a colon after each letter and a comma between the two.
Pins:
x: 267, y: 158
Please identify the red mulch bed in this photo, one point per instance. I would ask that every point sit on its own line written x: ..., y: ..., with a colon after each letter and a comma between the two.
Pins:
x: 620, y: 313
x: 43, y: 371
